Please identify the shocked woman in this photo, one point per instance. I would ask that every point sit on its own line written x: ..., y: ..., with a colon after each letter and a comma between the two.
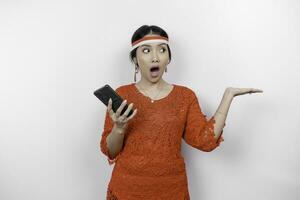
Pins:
x: 146, y: 145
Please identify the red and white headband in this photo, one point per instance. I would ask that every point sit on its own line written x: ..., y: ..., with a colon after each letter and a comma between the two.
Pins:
x: 149, y: 39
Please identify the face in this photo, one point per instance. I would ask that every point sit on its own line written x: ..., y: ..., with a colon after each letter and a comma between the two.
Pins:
x: 152, y: 55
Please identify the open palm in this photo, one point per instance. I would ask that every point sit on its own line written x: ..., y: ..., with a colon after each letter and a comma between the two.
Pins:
x: 240, y: 91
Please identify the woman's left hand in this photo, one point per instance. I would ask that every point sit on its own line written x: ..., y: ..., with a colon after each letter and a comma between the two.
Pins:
x: 240, y: 91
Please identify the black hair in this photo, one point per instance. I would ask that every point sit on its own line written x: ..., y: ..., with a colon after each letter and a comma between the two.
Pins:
x: 145, y: 30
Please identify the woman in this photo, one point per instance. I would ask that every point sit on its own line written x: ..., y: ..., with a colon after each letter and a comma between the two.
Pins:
x: 146, y: 145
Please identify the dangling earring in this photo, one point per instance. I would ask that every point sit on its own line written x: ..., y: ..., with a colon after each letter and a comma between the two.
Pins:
x: 166, y: 67
x: 136, y: 71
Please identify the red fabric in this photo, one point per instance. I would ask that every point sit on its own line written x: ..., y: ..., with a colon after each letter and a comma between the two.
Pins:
x: 150, y: 165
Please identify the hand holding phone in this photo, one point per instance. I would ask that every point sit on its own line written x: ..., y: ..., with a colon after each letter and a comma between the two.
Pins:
x: 105, y: 93
x: 120, y: 120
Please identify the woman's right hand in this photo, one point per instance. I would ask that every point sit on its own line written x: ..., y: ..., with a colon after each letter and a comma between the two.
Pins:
x: 120, y: 121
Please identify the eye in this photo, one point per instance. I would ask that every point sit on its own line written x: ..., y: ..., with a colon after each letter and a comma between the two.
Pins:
x: 146, y: 50
x: 163, y: 49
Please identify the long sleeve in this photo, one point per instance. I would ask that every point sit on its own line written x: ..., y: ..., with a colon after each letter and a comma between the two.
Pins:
x: 198, y: 131
x: 108, y: 125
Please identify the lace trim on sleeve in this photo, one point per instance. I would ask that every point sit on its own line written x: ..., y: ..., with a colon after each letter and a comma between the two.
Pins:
x: 104, y: 149
x: 210, y: 136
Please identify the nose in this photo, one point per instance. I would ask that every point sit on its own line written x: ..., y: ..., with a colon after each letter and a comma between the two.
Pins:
x: 155, y: 57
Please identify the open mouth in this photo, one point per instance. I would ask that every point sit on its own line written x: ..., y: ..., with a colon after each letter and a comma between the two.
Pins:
x: 154, y: 71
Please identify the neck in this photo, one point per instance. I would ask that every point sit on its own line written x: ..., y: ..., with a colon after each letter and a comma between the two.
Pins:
x: 144, y: 84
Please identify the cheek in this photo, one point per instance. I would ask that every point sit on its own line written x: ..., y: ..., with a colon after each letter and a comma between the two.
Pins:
x: 143, y: 58
x: 142, y: 61
x: 165, y: 57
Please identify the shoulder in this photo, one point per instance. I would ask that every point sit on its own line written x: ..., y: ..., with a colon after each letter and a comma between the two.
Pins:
x: 123, y: 89
x: 188, y: 94
x: 186, y: 91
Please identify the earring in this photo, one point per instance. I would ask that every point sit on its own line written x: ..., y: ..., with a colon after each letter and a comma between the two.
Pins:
x: 136, y: 71
x: 166, y: 67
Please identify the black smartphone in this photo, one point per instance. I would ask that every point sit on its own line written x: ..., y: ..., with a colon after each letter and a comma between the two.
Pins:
x: 105, y: 93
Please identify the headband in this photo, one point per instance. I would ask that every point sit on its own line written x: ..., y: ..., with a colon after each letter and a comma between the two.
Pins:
x: 149, y: 39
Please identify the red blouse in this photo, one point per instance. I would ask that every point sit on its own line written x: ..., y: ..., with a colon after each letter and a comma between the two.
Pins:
x: 150, y: 165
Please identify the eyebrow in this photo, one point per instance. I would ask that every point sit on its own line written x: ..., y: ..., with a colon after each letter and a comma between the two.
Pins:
x: 150, y: 46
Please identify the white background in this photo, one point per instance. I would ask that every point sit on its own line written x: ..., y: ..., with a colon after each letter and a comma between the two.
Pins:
x: 54, y: 54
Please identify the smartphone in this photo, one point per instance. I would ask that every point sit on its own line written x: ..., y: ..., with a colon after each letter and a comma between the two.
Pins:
x: 105, y: 93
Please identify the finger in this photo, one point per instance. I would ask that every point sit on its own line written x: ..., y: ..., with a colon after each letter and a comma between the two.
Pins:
x: 128, y: 109
x: 131, y: 116
x: 249, y: 90
x: 253, y: 90
x: 118, y: 112
x: 258, y: 90
x: 109, y: 106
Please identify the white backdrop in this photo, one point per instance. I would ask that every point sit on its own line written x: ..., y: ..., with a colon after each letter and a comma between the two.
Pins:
x: 54, y: 54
